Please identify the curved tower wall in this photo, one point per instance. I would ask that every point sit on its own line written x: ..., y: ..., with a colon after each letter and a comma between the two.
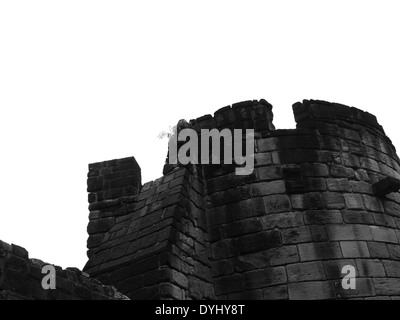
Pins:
x: 319, y: 198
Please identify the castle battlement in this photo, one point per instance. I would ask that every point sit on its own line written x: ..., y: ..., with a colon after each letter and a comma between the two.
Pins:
x: 282, y: 232
x: 321, y: 196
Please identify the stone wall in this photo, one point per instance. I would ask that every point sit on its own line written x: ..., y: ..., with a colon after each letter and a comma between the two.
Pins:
x: 310, y: 206
x: 21, y: 279
x: 111, y: 186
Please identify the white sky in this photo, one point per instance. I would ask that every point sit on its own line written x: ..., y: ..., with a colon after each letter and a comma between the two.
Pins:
x: 87, y: 81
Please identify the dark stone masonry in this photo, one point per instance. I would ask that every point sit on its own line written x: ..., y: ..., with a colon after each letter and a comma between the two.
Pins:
x: 321, y: 196
x: 21, y: 279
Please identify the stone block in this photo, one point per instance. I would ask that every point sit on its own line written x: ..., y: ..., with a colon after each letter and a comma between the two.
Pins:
x: 228, y: 284
x: 267, y: 188
x: 269, y: 173
x: 378, y: 250
x: 246, y: 295
x: 311, y: 200
x: 333, y: 200
x: 282, y: 220
x: 319, y: 233
x: 258, y: 241
x: 361, y: 187
x: 369, y: 164
x: 282, y: 255
x: 306, y: 271
x: 262, y: 159
x: 392, y: 268
x: 252, y: 261
x: 296, y: 235
x: 223, y: 249
x: 348, y: 232
x: 322, y: 217
x: 342, y: 185
x: 319, y: 251
x: 387, y: 286
x: 354, y: 201
x: 372, y: 203
x: 100, y: 225
x: 264, y: 278
x: 382, y: 234
x: 394, y: 251
x: 341, y: 171
x: 354, y: 249
x: 170, y: 291
x: 357, y: 217
x: 242, y: 227
x: 276, y: 203
x: 314, y: 169
x: 382, y: 219
x: 370, y: 268
x: 275, y: 293
x: 314, y: 290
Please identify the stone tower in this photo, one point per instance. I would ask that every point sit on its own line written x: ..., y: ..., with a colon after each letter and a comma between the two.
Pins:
x: 321, y: 196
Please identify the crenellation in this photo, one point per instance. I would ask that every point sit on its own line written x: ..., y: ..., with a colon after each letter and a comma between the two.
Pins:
x: 321, y: 196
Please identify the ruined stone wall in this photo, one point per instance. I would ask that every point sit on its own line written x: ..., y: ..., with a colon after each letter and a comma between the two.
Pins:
x: 310, y: 206
x: 111, y: 186
x: 21, y: 279
x: 160, y: 249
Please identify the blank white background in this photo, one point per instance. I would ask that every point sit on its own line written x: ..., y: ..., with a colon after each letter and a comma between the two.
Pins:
x: 87, y: 81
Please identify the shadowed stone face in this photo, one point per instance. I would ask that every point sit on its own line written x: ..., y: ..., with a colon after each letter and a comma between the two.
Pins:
x: 322, y: 198
x: 312, y: 205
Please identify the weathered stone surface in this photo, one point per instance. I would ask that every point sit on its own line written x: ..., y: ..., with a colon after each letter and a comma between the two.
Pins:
x: 314, y: 290
x: 319, y: 233
x: 378, y: 250
x: 22, y: 277
x: 353, y: 201
x: 354, y: 249
x: 267, y: 188
x: 100, y: 226
x: 282, y: 255
x: 258, y: 241
x: 252, y: 261
x: 322, y: 217
x: 370, y: 268
x: 282, y: 220
x: 342, y: 185
x: 276, y: 203
x: 341, y: 171
x: 283, y: 231
x: 382, y: 234
x: 275, y: 293
x: 372, y: 203
x: 307, y: 271
x: 319, y: 251
x: 357, y: 217
x: 348, y: 232
x: 387, y: 286
x: 333, y: 200
x: 296, y: 235
x: 264, y: 278
x: 311, y: 200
